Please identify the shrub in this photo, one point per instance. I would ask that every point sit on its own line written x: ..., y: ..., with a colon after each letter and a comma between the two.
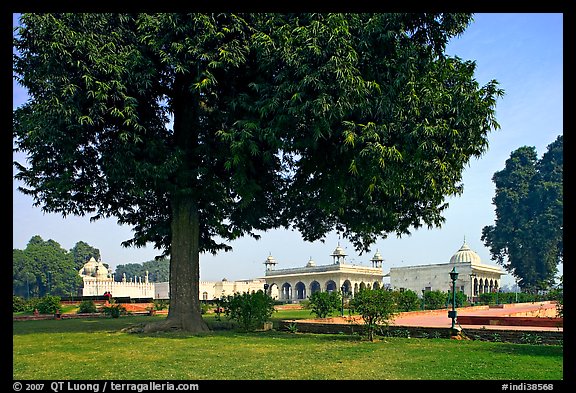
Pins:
x: 32, y: 304
x: 114, y: 309
x: 87, y: 306
x: 18, y: 303
x: 162, y: 304
x: 249, y: 310
x: 324, y: 303
x: 49, y: 304
x: 406, y: 300
x: 435, y: 300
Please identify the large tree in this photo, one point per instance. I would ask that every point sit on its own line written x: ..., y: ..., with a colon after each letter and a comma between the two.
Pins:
x: 44, y: 268
x: 82, y: 252
x: 197, y: 127
x: 527, y: 237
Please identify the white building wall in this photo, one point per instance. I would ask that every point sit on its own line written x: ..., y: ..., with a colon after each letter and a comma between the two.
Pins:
x: 119, y: 289
x: 477, y: 278
x: 210, y: 290
x: 430, y: 277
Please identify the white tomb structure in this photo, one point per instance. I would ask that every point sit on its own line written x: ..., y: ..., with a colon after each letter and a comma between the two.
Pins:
x: 97, y: 281
x: 474, y: 277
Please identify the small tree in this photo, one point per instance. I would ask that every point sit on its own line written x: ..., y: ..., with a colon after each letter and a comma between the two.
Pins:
x: 557, y: 294
x: 376, y: 306
x: 324, y: 303
x: 250, y: 310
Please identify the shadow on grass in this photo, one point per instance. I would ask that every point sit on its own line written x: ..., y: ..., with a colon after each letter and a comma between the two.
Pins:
x: 80, y: 325
x: 524, y: 349
x: 116, y: 325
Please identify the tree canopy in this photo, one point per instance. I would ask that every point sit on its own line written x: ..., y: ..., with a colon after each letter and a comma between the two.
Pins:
x: 527, y: 237
x: 44, y: 268
x: 197, y: 129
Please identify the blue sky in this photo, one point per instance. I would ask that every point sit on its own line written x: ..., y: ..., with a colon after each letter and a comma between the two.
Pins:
x: 522, y: 51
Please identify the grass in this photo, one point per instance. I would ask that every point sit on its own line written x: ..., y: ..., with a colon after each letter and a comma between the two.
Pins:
x: 73, y: 349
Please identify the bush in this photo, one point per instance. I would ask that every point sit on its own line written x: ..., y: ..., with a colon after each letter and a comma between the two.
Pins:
x: 249, y: 310
x: 435, y: 300
x: 87, y: 306
x: 407, y: 300
x: 49, y: 305
x: 114, y: 309
x: 18, y: 303
x: 325, y: 303
x: 162, y: 304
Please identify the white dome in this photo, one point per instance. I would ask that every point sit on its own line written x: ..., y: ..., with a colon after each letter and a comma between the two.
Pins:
x: 92, y: 268
x: 89, y: 268
x: 311, y: 263
x: 339, y: 252
x: 377, y: 256
x: 465, y: 254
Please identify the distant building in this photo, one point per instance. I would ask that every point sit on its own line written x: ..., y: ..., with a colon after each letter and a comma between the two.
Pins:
x: 97, y: 280
x: 210, y: 290
x: 293, y: 285
x: 474, y: 277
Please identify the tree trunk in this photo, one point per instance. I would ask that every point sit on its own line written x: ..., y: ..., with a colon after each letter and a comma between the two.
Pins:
x: 184, y: 312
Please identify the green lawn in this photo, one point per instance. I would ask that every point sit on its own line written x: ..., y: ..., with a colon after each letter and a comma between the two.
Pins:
x: 98, y: 349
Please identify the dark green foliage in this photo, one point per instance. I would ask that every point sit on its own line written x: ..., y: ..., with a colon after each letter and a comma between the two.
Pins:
x: 197, y: 129
x: 49, y: 305
x: 406, y: 300
x: 460, y: 299
x: 376, y: 306
x: 249, y: 310
x: 44, y: 268
x: 113, y: 309
x: 527, y: 238
x: 18, y: 303
x: 87, y: 306
x: 557, y: 294
x: 323, y: 304
x: 435, y: 299
x: 161, y: 304
x: 82, y: 252
x: 158, y: 270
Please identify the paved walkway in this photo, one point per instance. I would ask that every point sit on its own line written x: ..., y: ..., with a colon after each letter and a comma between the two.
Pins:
x: 439, y: 318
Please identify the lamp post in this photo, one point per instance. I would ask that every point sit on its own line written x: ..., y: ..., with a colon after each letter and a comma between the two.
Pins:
x: 452, y: 314
x: 342, y: 288
x: 266, y: 286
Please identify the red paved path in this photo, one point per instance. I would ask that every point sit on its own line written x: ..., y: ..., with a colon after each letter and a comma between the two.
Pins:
x: 439, y: 318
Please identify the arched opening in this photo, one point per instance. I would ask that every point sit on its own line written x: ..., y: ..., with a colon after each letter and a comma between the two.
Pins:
x: 300, y: 290
x: 315, y: 287
x: 331, y: 286
x: 286, y: 292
